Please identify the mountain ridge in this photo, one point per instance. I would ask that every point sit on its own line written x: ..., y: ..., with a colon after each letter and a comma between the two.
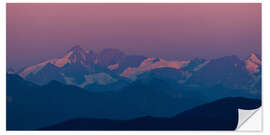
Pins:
x: 78, y: 64
x: 203, y: 117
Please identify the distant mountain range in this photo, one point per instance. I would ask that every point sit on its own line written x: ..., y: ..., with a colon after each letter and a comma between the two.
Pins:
x: 88, y: 69
x: 111, y: 85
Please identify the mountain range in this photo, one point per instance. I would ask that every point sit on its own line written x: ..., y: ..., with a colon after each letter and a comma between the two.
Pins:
x: 111, y: 67
x: 55, y: 102
x: 112, y: 85
x: 203, y: 117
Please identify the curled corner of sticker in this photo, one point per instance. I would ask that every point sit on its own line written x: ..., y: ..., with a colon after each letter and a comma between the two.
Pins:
x: 249, y: 120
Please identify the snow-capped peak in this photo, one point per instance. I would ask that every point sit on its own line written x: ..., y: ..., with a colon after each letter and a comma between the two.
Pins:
x: 253, y: 57
x: 75, y: 48
x: 74, y: 55
x: 78, y: 54
x: 153, y: 63
x: 253, y: 63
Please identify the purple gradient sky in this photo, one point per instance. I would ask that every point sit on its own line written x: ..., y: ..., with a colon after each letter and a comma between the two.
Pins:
x: 37, y: 32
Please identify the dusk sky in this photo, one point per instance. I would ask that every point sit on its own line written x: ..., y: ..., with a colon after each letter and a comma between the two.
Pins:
x: 37, y: 32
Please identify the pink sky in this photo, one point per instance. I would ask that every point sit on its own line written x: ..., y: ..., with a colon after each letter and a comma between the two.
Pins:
x: 36, y: 32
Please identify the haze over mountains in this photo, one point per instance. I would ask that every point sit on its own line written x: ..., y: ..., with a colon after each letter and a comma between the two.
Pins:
x: 116, y: 86
x: 184, y: 75
x: 85, y: 68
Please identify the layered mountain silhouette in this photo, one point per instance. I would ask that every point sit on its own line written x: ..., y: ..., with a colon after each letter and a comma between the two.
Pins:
x: 43, y: 105
x: 114, y: 88
x: 218, y: 115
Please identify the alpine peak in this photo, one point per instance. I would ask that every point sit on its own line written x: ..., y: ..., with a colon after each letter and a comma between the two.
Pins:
x: 76, y: 48
x: 76, y: 54
x: 253, y: 63
x: 253, y: 57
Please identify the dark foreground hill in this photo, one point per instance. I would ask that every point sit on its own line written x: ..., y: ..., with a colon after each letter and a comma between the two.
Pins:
x: 30, y: 106
x: 218, y: 115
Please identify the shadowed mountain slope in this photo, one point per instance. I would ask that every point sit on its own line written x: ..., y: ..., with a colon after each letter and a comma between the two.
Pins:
x: 218, y: 115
